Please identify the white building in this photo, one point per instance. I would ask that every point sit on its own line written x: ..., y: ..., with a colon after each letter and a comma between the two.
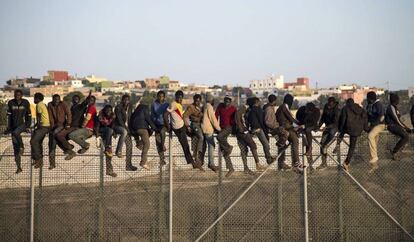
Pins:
x: 72, y: 83
x: 410, y: 92
x: 269, y: 85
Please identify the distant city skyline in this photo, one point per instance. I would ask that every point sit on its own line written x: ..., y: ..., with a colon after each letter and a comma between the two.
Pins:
x: 215, y: 42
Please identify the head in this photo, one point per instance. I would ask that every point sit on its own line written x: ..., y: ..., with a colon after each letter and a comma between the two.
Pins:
x: 179, y: 95
x: 197, y: 99
x: 18, y: 94
x: 394, y: 99
x: 371, y: 97
x: 272, y: 99
x: 349, y: 102
x: 210, y: 99
x: 256, y: 102
x: 288, y: 99
x: 75, y: 99
x: 92, y: 100
x: 227, y: 101
x: 331, y: 102
x: 125, y: 100
x: 310, y: 106
x: 161, y: 96
x: 55, y: 99
x: 107, y: 110
x: 38, y: 97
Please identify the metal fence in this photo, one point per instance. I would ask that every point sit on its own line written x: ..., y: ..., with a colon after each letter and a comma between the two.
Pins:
x: 77, y: 201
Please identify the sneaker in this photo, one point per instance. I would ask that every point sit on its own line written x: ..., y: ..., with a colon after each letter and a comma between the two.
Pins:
x: 373, y: 161
x: 374, y: 167
x: 260, y: 167
x: 145, y: 166
x: 345, y: 167
x: 213, y: 168
x: 37, y: 164
x: 119, y: 155
x: 70, y: 155
x: 110, y: 172
x: 52, y: 166
x: 321, y: 167
x: 131, y: 168
x: 19, y: 170
x: 249, y: 172
x: 230, y: 172
x: 108, y: 152
x: 336, y: 149
x: 298, y: 169
x: 283, y: 167
x: 271, y: 160
x: 83, y: 150
x: 396, y: 156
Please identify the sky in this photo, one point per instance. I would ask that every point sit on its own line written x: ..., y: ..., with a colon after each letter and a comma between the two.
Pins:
x: 368, y: 42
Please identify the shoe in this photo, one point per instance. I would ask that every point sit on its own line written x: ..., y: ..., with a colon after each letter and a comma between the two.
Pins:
x: 200, y: 168
x: 110, y: 172
x: 249, y: 172
x: 336, y: 149
x: 396, y: 156
x: 213, y: 168
x: 164, y: 148
x: 229, y: 173
x: 271, y: 160
x: 298, y: 169
x: 52, y: 166
x: 145, y: 166
x: 83, y: 150
x: 131, y: 168
x: 162, y: 162
x: 140, y: 145
x: 37, y: 164
x: 283, y: 167
x: 322, y: 166
x: 119, y: 155
x: 70, y: 155
x: 260, y: 167
x: 373, y: 161
x: 108, y: 152
x: 19, y: 170
x: 346, y: 167
x: 374, y: 167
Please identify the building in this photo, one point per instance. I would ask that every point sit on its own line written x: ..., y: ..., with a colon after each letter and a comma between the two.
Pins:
x: 22, y: 83
x: 152, y: 83
x: 95, y: 79
x: 302, y: 83
x: 73, y: 83
x: 268, y: 85
x: 56, y: 76
x: 410, y: 92
x: 51, y: 90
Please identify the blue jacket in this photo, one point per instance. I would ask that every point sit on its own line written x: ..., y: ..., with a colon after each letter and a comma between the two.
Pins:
x: 157, y: 112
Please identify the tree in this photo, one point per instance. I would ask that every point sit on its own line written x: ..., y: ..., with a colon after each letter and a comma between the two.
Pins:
x: 68, y: 97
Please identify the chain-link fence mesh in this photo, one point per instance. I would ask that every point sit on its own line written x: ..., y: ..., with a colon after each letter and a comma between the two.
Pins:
x: 78, y: 201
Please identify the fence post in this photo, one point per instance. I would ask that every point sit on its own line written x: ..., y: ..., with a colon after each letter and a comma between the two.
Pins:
x: 170, y: 215
x: 101, y: 193
x: 305, y: 190
x: 32, y: 197
x: 219, y: 228
x: 340, y: 197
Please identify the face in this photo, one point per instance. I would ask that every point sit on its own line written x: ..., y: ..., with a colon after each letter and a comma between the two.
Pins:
x: 92, y: 101
x: 75, y: 99
x: 197, y: 101
x: 108, y: 111
x: 161, y: 97
x: 56, y: 100
x: 179, y: 99
x: 36, y: 100
x: 125, y: 101
x: 18, y: 96
x: 227, y: 102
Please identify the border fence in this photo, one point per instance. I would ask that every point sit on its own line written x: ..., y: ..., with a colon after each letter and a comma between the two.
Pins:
x: 77, y: 201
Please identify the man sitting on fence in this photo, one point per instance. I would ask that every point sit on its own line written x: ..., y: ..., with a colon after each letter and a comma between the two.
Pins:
x: 158, y: 108
x: 42, y: 127
x: 19, y: 119
x: 192, y: 119
x: 210, y: 125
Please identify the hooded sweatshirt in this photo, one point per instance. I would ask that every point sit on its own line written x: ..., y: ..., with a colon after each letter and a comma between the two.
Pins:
x: 353, y: 120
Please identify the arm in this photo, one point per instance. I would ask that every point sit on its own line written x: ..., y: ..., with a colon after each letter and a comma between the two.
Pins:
x: 87, y: 118
x: 395, y: 117
x: 412, y: 115
x: 342, y: 120
x: 68, y: 115
x: 289, y: 116
x: 186, y: 116
x: 9, y: 116
x: 28, y: 116
x: 336, y: 119
x: 213, y: 119
x: 261, y: 118
x: 148, y: 119
x: 51, y: 118
x: 118, y: 116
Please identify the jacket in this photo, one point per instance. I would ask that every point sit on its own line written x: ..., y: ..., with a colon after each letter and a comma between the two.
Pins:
x: 141, y: 119
x: 412, y: 115
x: 393, y: 117
x: 284, y: 117
x: 375, y: 113
x: 241, y: 119
x: 209, y: 122
x: 255, y: 117
x: 308, y: 117
x: 60, y: 115
x: 194, y: 114
x: 330, y: 117
x: 78, y: 114
x: 353, y: 120
x: 226, y: 115
x: 157, y: 113
x: 122, y: 115
x: 270, y: 117
x: 18, y: 114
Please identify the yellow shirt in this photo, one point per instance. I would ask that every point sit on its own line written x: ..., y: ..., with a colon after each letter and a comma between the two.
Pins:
x: 42, y: 115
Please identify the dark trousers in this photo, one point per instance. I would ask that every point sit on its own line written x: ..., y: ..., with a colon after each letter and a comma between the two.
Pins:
x: 400, y: 132
x: 182, y: 138
x: 327, y: 136
x: 351, y: 150
x: 62, y: 138
x: 106, y: 134
x: 52, y: 144
x: 144, y: 139
x: 265, y: 143
x: 245, y: 141
x: 17, y: 142
x: 294, y: 145
x: 160, y: 142
x: 128, y: 148
x: 36, y: 142
x: 197, y: 140
x: 224, y: 145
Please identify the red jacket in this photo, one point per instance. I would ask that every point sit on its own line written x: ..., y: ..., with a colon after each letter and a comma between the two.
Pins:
x: 226, y: 115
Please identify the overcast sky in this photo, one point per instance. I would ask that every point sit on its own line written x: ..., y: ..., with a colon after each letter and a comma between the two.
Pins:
x: 212, y: 42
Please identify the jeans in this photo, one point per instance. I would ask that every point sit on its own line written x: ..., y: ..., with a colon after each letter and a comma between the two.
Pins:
x: 36, y: 142
x: 122, y: 132
x: 17, y: 140
x: 294, y: 143
x: 265, y: 143
x: 79, y: 136
x: 245, y: 141
x: 62, y: 138
x: 182, y: 138
x: 144, y: 138
x: 224, y: 145
x: 209, y: 140
x: 160, y: 142
x: 106, y: 134
x: 197, y: 139
x: 352, y: 144
x: 400, y: 132
x: 373, y: 137
x: 327, y: 136
x: 52, y: 144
